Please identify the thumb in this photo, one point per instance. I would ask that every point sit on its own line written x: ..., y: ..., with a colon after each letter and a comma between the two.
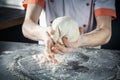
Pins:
x: 50, y: 30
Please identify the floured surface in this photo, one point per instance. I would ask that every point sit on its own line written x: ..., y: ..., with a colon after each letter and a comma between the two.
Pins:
x: 82, y: 64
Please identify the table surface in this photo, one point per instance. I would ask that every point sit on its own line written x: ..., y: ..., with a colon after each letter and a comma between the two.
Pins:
x: 10, y: 17
x: 6, y: 59
x: 7, y: 56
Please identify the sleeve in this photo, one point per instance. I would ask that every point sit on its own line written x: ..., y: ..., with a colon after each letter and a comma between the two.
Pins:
x: 39, y: 2
x: 105, y: 8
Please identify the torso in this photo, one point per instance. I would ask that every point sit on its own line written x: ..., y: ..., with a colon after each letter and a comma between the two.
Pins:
x: 79, y: 10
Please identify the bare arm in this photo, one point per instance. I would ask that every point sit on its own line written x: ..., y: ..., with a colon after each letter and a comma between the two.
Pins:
x: 101, y: 35
x: 30, y: 27
x: 33, y: 31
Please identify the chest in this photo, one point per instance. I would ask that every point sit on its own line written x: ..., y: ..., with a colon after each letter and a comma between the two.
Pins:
x: 79, y: 10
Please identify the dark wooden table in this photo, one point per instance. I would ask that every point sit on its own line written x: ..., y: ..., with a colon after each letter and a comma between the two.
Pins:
x: 11, y: 17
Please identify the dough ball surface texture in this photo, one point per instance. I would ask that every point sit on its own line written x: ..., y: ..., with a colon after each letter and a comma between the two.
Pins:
x: 65, y: 26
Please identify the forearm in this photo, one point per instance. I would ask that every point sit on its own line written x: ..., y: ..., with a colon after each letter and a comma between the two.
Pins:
x: 101, y: 35
x: 30, y: 27
x: 34, y: 32
x: 96, y: 37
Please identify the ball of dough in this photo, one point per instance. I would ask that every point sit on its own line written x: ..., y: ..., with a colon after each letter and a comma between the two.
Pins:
x: 65, y: 26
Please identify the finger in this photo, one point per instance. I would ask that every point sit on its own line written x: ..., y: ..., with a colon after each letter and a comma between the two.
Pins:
x: 64, y: 49
x: 50, y: 30
x: 61, y: 48
x: 56, y: 51
x: 65, y: 41
x: 81, y: 30
x: 50, y: 38
x: 50, y: 57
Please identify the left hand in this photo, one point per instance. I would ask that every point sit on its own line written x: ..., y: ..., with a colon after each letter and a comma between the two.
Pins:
x: 67, y: 47
x: 70, y: 44
x: 60, y: 49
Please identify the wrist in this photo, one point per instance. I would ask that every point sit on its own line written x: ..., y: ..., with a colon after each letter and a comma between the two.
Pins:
x: 79, y: 42
x: 43, y: 33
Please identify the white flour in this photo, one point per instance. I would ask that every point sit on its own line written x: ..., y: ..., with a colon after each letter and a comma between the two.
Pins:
x: 96, y: 65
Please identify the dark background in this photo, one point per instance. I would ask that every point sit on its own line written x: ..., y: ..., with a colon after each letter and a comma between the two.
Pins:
x: 115, y: 39
x: 15, y: 33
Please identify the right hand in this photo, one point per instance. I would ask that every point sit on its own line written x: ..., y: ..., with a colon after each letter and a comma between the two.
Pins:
x: 49, y: 43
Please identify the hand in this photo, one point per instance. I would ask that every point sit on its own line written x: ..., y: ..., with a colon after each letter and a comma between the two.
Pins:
x: 49, y: 42
x: 61, y: 49
x: 48, y: 45
x: 70, y: 44
x: 67, y: 47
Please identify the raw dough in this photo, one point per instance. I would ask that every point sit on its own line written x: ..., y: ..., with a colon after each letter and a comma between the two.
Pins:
x: 65, y: 26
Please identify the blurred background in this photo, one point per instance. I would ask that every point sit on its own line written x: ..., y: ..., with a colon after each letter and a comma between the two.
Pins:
x: 12, y: 3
